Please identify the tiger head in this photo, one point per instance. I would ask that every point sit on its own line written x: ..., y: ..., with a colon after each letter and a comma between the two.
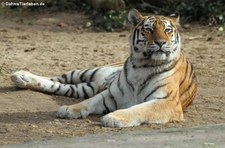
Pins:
x: 154, y: 38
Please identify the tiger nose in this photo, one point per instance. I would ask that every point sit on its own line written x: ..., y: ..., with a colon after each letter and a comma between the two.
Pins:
x: 160, y: 43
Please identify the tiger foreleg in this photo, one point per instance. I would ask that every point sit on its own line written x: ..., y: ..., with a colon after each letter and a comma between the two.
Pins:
x: 155, y: 111
x: 102, y: 103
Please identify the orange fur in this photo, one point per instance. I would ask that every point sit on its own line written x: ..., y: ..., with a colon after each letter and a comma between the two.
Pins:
x: 185, y: 96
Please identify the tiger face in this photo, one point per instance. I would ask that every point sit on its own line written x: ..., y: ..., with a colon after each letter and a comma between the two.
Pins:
x: 154, y: 38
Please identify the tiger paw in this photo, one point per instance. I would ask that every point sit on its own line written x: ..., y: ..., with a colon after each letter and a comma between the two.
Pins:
x: 25, y: 79
x: 118, y: 119
x: 21, y: 78
x: 72, y: 112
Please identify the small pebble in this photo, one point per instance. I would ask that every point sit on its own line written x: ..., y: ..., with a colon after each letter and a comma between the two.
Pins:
x: 220, y: 29
x: 88, y: 24
x: 187, y: 26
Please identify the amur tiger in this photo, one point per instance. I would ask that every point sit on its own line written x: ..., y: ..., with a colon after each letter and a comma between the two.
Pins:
x: 154, y: 85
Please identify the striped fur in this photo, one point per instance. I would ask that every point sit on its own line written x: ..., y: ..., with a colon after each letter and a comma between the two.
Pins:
x: 154, y: 85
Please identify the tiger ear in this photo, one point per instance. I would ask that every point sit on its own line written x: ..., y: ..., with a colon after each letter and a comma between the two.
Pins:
x: 134, y: 17
x: 175, y: 17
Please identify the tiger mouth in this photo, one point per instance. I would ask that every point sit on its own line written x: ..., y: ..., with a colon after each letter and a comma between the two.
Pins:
x: 148, y: 54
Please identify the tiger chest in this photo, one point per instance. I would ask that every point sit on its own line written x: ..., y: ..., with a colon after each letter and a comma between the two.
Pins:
x: 147, y: 85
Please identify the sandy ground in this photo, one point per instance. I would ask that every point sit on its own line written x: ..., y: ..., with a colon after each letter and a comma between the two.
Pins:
x: 51, y: 44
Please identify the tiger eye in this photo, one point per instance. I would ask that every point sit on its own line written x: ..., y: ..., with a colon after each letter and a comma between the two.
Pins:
x: 168, y: 30
x: 148, y: 30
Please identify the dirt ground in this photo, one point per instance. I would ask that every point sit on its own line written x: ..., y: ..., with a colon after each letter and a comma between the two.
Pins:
x: 50, y: 44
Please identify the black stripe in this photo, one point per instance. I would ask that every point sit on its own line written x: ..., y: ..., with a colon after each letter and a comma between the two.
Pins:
x: 140, y: 41
x: 59, y: 80
x: 58, y: 89
x: 172, y: 25
x: 119, y: 85
x: 186, y: 71
x: 106, y: 107
x: 142, y: 87
x: 188, y: 101
x: 109, y: 85
x: 65, y: 77
x: 78, y: 95
x: 126, y: 75
x: 92, y: 88
x: 150, y: 18
x: 66, y: 94
x: 75, y: 85
x: 93, y: 74
x: 154, y: 90
x: 191, y: 72
x: 83, y: 74
x: 72, y: 93
x: 52, y: 85
x: 189, y: 86
x: 85, y: 93
x: 71, y: 77
x: 134, y: 36
x: 141, y: 23
x: 113, y: 98
x: 126, y: 78
x: 177, y: 37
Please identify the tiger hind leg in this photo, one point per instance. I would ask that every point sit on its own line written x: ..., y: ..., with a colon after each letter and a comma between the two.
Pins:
x: 25, y: 79
x: 89, y: 75
x: 78, y: 84
x: 79, y: 76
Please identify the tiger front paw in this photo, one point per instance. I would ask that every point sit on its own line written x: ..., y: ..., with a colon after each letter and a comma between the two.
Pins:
x: 72, y: 111
x: 119, y: 119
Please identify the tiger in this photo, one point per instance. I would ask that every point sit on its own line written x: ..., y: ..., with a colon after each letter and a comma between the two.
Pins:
x: 153, y: 86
